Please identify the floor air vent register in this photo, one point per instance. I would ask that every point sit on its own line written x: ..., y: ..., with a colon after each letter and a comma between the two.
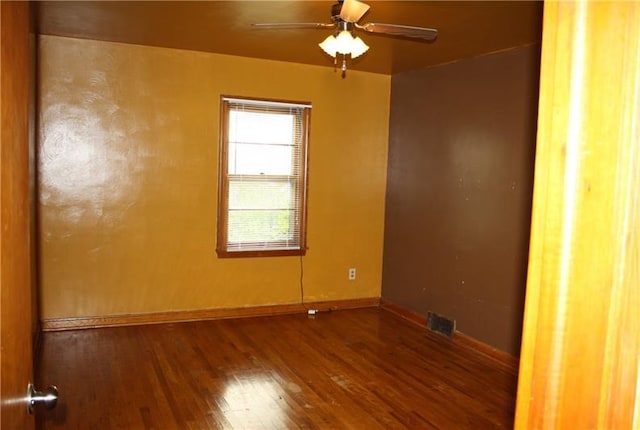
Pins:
x: 441, y: 325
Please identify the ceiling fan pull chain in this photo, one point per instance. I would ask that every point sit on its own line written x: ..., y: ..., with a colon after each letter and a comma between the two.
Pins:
x: 344, y: 66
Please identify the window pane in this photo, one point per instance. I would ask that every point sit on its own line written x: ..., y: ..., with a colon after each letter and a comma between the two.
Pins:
x: 260, y: 194
x: 260, y: 159
x: 259, y: 226
x: 258, y: 127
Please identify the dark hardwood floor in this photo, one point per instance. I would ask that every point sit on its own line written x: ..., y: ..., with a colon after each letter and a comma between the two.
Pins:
x: 352, y: 369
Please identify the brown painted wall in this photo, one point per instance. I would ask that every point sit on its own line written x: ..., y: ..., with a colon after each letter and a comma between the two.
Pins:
x: 460, y: 175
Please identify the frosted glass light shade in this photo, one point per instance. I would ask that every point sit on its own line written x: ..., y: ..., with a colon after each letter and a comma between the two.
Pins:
x: 329, y: 46
x: 343, y: 42
x: 358, y: 47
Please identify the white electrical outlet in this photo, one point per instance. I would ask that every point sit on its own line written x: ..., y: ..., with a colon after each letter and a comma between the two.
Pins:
x: 352, y: 274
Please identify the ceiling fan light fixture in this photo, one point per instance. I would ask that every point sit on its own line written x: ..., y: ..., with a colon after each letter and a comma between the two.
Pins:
x: 344, y: 44
x: 345, y: 19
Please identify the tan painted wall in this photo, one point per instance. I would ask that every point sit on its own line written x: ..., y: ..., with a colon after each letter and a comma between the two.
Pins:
x: 127, y: 180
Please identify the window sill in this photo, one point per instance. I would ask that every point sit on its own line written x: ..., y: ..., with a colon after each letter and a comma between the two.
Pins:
x: 265, y: 253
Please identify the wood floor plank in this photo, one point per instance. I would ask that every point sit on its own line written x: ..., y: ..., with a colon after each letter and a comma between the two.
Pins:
x: 350, y: 369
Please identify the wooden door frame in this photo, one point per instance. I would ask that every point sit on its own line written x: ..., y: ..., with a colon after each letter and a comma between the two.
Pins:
x: 581, y: 338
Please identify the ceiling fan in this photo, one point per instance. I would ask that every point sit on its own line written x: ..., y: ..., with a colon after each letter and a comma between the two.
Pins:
x: 345, y: 17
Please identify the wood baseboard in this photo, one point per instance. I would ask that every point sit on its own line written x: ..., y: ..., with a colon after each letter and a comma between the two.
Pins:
x: 403, y: 312
x: 336, y: 305
x: 77, y: 323
x: 510, y: 362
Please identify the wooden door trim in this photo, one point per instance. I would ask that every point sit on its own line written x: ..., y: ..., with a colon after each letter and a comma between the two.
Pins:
x: 16, y: 322
x: 581, y: 338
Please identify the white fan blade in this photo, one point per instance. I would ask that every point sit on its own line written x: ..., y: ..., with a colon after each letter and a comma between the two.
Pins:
x: 276, y: 25
x: 353, y: 10
x: 400, y: 30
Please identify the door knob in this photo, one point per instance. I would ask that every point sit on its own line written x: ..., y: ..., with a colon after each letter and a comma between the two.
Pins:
x: 48, y: 398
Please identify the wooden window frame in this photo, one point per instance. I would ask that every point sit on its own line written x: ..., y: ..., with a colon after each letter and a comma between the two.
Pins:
x: 222, y: 247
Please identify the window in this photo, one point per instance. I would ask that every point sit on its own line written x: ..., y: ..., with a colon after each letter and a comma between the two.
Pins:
x: 262, y: 184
